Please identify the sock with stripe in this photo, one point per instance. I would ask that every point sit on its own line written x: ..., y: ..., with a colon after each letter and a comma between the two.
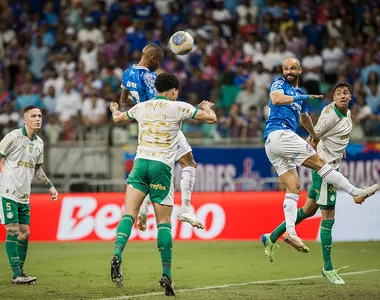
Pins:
x: 22, y: 247
x: 12, y: 253
x: 333, y: 177
x: 282, y: 227
x: 326, y: 241
x: 123, y: 232
x: 165, y: 246
x: 187, y: 184
x: 290, y: 212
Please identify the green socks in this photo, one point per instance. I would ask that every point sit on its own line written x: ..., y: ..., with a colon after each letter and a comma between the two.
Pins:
x: 123, y: 231
x: 12, y: 252
x: 165, y: 246
x: 22, y: 247
x: 326, y: 241
x: 282, y: 227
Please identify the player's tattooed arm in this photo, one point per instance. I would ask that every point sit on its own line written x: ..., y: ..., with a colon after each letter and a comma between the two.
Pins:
x: 41, y: 176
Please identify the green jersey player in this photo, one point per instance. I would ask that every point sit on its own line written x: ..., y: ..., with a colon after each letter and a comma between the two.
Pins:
x: 159, y: 121
x: 333, y: 130
x: 22, y: 153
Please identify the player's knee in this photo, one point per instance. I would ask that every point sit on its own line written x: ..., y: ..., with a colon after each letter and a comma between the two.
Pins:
x: 24, y: 235
x: 187, y: 160
x: 293, y: 188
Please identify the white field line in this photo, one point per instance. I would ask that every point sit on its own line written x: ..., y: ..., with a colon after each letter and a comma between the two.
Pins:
x: 224, y: 286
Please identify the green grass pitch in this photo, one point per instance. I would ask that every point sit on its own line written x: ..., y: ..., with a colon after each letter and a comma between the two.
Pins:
x: 81, y: 271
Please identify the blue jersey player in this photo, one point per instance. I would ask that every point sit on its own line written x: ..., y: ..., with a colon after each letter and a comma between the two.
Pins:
x: 138, y: 85
x: 286, y: 150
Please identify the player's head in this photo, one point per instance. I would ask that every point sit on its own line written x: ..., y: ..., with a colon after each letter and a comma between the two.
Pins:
x: 291, y: 70
x: 152, y: 55
x: 32, y: 117
x: 167, y: 85
x: 342, y: 94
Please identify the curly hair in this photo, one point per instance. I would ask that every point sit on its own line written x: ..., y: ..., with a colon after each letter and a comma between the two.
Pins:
x: 165, y: 82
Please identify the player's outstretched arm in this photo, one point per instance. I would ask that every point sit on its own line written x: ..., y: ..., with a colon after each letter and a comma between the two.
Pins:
x: 205, y: 113
x: 126, y: 97
x: 279, y: 98
x: 41, y: 176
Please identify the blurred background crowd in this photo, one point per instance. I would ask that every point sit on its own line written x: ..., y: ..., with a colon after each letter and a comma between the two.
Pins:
x: 68, y: 57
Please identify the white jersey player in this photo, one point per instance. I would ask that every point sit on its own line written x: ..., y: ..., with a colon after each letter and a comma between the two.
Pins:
x: 159, y: 122
x: 21, y: 151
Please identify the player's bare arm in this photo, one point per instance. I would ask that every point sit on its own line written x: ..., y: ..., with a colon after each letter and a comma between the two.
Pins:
x: 279, y: 98
x: 126, y: 97
x: 41, y: 176
x: 205, y: 113
x: 308, y: 124
x: 117, y: 116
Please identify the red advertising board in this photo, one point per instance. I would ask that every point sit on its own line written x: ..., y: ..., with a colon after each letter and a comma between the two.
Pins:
x: 94, y: 217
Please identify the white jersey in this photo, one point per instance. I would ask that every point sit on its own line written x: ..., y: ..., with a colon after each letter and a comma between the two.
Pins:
x: 333, y: 129
x: 21, y: 157
x: 160, y: 121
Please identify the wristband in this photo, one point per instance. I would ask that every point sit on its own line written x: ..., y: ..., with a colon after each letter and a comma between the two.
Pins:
x: 49, y: 185
x: 301, y: 98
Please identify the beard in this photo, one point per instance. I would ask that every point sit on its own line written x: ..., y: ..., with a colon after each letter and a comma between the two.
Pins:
x: 292, y: 79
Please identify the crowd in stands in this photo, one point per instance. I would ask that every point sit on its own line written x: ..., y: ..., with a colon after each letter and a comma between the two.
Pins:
x: 68, y: 57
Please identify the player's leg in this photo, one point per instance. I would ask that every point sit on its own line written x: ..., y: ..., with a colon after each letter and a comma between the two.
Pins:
x: 335, y: 178
x: 137, y: 189
x: 9, y: 217
x: 185, y: 158
x: 162, y: 194
x: 326, y: 199
x: 23, y: 237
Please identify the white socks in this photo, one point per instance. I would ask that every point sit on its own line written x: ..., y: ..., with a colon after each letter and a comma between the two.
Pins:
x: 187, y: 184
x: 333, y: 177
x: 290, y: 212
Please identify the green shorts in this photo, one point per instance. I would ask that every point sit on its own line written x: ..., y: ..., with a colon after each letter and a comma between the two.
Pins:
x: 14, y: 212
x: 154, y: 178
x: 322, y: 192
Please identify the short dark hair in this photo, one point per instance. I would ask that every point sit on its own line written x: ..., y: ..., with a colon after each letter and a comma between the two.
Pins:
x: 342, y: 84
x: 28, y: 108
x: 165, y: 82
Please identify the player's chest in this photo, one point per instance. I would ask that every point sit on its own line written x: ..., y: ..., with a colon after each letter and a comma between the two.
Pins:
x: 27, y: 151
x: 343, y: 128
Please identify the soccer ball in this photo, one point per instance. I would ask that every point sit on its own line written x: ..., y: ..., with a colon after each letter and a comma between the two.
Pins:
x: 181, y: 43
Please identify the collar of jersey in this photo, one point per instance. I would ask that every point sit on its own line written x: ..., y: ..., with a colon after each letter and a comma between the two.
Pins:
x: 338, y: 112
x: 140, y: 67
x: 161, y: 98
x: 24, y: 133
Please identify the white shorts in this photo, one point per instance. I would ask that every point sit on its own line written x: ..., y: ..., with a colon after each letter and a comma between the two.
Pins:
x: 286, y: 150
x: 183, y: 147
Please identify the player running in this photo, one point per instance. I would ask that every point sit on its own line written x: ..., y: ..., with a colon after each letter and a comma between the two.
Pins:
x: 286, y: 150
x: 22, y: 153
x: 159, y: 122
x: 138, y: 85
x: 333, y: 130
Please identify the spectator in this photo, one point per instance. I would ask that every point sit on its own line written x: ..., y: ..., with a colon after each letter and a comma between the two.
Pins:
x: 235, y: 123
x: 90, y: 33
x: 90, y: 56
x: 69, y: 104
x: 38, y: 55
x: 254, y: 123
x: 247, y: 13
x: 332, y: 56
x: 94, y: 110
x: 50, y: 101
x: 27, y: 98
x: 312, y: 70
x: 251, y: 96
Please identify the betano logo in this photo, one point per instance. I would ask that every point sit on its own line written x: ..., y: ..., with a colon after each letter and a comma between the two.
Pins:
x: 26, y: 164
x: 158, y: 186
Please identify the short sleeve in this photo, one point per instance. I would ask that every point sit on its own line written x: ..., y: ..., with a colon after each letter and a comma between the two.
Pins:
x: 277, y: 86
x: 40, y: 157
x: 325, y: 122
x: 185, y: 111
x: 148, y: 81
x: 132, y: 113
x: 7, y: 144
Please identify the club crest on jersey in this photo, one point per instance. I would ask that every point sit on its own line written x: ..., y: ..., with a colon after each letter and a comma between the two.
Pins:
x: 30, y: 148
x: 309, y: 148
x: 10, y: 215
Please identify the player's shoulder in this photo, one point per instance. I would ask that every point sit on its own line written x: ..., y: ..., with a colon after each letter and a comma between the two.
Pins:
x: 278, y: 81
x: 328, y: 108
x: 39, y: 140
x: 15, y: 133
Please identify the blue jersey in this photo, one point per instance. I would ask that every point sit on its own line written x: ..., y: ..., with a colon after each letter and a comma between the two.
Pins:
x: 286, y: 116
x: 139, y: 81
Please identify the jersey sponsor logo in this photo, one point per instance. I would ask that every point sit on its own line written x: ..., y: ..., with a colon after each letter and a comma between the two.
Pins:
x: 8, y: 146
x: 294, y: 156
x: 26, y: 164
x: 158, y: 186
x: 131, y: 85
x: 296, y: 107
